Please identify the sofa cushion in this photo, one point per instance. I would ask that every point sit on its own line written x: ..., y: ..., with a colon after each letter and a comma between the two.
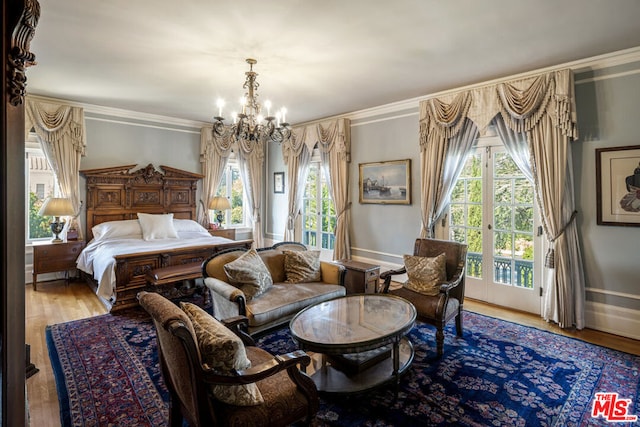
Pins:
x: 425, y: 274
x: 286, y: 299
x: 302, y: 266
x: 249, y: 273
x: 224, y: 351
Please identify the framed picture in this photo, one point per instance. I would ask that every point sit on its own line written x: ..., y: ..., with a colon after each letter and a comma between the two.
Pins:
x: 278, y: 182
x: 618, y: 185
x: 386, y: 182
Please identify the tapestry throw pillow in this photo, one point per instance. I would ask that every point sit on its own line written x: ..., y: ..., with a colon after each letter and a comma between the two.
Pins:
x: 425, y: 273
x: 302, y: 266
x: 223, y: 351
x: 157, y: 226
x: 249, y: 274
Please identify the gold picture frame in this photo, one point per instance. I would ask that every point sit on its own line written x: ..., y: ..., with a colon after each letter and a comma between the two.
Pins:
x: 386, y: 183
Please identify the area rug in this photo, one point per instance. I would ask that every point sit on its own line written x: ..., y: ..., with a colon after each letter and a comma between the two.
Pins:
x: 499, y: 374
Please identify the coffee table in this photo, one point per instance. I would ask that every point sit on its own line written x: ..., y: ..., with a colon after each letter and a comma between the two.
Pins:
x: 362, y: 340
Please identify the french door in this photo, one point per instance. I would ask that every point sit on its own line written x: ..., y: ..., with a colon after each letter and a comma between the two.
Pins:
x: 493, y: 211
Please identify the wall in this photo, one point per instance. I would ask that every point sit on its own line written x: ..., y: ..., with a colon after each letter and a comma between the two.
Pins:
x: 607, y: 102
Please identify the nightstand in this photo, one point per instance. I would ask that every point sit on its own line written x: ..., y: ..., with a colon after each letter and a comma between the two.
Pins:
x: 51, y: 257
x: 360, y: 276
x: 228, y: 233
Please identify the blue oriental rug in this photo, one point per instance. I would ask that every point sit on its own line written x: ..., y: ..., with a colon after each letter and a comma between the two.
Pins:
x: 498, y: 374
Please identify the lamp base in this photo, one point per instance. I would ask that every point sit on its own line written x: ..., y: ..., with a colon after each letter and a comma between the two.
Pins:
x: 56, y: 229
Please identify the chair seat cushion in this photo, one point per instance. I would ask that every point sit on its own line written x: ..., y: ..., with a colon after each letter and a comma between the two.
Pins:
x: 283, y: 403
x: 286, y: 299
x: 426, y: 305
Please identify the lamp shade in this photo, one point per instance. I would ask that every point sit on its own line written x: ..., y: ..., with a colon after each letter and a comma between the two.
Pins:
x: 219, y: 203
x: 56, y: 206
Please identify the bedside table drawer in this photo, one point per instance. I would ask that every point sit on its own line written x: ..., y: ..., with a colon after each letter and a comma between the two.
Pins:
x: 227, y: 233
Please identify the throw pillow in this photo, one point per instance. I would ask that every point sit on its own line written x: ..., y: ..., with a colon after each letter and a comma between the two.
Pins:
x: 249, y: 274
x: 224, y: 351
x: 157, y: 226
x: 302, y: 266
x: 425, y: 274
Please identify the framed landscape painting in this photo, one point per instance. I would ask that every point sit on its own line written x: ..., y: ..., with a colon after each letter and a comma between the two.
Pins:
x: 385, y: 182
x: 618, y: 185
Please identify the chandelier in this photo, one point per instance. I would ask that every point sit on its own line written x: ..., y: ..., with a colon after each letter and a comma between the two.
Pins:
x: 250, y: 125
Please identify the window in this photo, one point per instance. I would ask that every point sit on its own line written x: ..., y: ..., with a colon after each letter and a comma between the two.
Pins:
x: 318, y: 211
x: 40, y: 184
x: 492, y: 211
x: 231, y: 187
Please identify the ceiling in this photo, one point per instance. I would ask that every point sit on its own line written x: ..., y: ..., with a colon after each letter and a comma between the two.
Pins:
x: 319, y: 58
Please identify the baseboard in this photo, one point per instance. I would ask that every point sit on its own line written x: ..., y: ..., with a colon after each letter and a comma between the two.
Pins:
x: 614, y: 320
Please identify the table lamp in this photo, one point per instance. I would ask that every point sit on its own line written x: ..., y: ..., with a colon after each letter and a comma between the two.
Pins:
x: 220, y: 204
x: 56, y: 207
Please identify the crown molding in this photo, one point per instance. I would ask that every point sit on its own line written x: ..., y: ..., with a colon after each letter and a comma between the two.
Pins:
x: 122, y: 113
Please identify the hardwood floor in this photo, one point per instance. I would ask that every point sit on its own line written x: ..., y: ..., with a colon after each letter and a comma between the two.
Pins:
x: 55, y: 302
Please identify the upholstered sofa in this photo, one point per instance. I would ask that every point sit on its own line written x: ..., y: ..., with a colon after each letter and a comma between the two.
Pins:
x: 281, y: 300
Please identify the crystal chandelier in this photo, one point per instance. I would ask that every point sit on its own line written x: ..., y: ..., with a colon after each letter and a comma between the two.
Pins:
x: 250, y: 125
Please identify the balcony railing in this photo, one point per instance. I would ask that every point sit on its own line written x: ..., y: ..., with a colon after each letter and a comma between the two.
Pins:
x: 503, y: 268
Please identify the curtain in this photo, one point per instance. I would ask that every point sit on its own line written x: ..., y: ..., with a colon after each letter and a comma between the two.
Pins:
x: 251, y: 161
x: 297, y: 157
x: 334, y: 142
x: 446, y: 137
x: 516, y: 145
x: 60, y: 131
x: 214, y: 156
x: 541, y: 107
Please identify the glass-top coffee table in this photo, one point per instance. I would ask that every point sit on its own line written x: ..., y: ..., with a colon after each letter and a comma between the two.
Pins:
x: 362, y: 340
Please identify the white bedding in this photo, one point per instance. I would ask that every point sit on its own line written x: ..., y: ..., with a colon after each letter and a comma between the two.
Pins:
x: 97, y: 258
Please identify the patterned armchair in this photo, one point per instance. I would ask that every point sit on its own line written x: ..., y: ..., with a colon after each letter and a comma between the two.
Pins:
x: 287, y: 395
x: 437, y: 309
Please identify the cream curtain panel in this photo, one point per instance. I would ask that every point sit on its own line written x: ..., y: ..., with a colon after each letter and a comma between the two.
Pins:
x: 541, y: 107
x: 297, y: 157
x: 214, y: 156
x: 60, y: 131
x: 251, y: 162
x: 334, y: 142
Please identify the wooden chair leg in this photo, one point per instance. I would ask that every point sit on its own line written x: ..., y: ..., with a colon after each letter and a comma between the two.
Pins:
x: 440, y: 341
x: 459, y: 323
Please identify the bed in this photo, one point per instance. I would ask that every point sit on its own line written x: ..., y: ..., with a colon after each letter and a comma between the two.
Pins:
x: 123, y: 245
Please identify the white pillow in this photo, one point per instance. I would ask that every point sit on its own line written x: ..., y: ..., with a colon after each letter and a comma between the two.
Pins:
x: 157, y: 226
x: 183, y: 225
x: 113, y: 229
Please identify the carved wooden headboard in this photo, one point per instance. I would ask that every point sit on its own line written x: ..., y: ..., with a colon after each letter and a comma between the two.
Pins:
x: 116, y: 193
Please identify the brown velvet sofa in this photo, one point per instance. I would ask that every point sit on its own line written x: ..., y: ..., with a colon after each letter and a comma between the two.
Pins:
x: 280, y: 302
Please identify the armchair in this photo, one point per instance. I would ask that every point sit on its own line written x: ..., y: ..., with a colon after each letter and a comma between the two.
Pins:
x: 439, y: 309
x: 289, y: 395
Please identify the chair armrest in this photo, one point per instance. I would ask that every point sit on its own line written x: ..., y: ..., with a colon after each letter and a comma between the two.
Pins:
x: 239, y: 326
x: 386, y: 276
x: 332, y: 273
x: 228, y: 301
x: 261, y: 371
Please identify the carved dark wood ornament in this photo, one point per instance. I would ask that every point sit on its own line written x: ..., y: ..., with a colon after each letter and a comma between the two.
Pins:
x: 119, y: 193
x: 20, y: 57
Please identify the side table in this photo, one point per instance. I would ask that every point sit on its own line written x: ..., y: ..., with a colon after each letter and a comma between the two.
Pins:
x: 50, y: 257
x: 360, y: 277
x: 228, y: 233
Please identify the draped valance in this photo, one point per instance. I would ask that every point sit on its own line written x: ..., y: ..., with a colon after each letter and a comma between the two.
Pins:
x: 331, y: 135
x: 521, y: 103
x: 52, y: 122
